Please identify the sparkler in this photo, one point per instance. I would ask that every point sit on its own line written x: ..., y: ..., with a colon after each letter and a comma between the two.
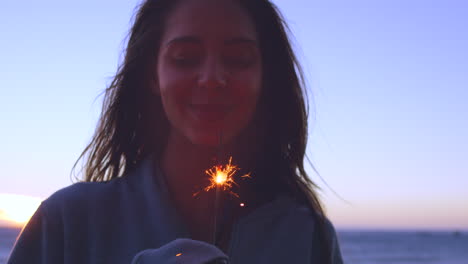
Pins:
x: 221, y: 179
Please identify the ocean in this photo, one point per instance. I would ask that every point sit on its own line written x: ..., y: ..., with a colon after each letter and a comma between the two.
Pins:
x: 404, y: 247
x: 365, y: 247
x: 7, y: 239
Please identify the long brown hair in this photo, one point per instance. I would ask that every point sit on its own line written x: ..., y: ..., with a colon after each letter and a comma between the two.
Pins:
x: 133, y: 123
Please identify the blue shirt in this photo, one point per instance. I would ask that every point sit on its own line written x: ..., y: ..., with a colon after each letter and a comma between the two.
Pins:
x: 111, y: 222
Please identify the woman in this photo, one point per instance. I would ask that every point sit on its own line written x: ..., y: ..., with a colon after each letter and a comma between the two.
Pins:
x: 202, y: 81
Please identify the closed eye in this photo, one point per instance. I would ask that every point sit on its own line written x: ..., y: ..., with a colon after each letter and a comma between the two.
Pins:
x: 240, y: 56
x: 186, y: 60
x: 239, y: 61
x: 184, y: 54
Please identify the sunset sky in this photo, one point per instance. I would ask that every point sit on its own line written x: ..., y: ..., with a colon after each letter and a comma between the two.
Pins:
x: 389, y: 81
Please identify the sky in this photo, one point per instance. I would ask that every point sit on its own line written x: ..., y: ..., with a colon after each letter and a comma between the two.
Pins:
x: 388, y: 82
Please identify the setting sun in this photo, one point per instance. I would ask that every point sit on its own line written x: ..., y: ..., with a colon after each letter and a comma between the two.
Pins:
x: 15, y: 210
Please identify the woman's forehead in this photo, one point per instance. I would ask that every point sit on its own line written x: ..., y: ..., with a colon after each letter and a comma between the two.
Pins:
x: 223, y: 19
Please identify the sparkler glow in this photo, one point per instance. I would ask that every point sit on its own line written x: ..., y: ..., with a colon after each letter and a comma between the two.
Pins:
x: 223, y: 177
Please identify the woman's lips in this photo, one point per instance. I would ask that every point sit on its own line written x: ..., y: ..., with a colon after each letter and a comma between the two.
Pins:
x: 209, y: 112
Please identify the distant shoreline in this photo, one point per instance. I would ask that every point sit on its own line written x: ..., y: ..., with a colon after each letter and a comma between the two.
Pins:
x: 402, y: 230
x: 360, y: 229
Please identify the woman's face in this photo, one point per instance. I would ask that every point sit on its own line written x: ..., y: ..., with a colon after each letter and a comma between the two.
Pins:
x: 209, y: 70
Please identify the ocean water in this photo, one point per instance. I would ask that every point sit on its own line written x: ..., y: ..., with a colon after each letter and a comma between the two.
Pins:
x: 365, y: 247
x: 7, y: 239
x: 404, y: 247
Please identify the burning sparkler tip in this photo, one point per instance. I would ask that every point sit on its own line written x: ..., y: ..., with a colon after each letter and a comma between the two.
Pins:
x: 221, y: 177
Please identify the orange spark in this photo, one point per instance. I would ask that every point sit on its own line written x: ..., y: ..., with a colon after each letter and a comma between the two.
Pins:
x: 222, y: 176
x: 178, y: 255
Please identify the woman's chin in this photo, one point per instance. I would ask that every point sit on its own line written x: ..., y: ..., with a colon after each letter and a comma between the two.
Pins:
x: 208, y: 141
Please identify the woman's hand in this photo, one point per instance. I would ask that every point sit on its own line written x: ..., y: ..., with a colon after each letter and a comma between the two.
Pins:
x: 184, y: 251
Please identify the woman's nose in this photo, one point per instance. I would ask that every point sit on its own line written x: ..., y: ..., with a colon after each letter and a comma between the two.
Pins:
x: 212, y: 75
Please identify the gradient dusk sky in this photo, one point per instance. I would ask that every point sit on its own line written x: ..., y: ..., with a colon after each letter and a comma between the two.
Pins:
x: 389, y: 81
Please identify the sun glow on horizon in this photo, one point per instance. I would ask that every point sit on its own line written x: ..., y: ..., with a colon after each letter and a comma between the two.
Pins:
x: 16, y: 210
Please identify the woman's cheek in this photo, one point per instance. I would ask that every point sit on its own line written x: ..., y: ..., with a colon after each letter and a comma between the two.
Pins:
x: 171, y: 97
x: 248, y: 87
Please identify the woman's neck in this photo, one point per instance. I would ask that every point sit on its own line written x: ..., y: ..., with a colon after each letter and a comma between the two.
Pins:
x: 184, y: 163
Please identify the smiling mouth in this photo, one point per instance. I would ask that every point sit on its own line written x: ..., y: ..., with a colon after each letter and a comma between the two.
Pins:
x: 209, y: 112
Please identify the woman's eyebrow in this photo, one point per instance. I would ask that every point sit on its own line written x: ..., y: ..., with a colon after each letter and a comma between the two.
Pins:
x: 240, y: 40
x: 196, y: 40
x: 184, y: 39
